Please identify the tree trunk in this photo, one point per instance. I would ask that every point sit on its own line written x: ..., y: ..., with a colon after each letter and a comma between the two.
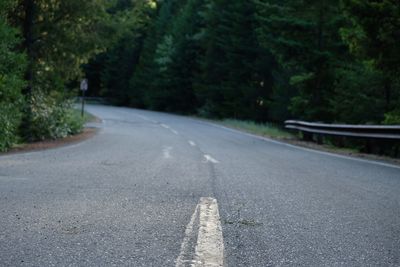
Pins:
x: 29, y: 9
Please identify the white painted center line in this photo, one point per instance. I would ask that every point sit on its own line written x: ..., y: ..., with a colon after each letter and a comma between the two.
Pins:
x: 192, y: 143
x: 210, y: 244
x: 184, y: 255
x: 169, y: 128
x: 210, y: 159
x: 143, y: 117
x: 209, y: 248
x: 167, y: 152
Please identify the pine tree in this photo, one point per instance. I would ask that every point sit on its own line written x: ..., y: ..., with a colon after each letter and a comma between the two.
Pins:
x: 58, y: 36
x: 112, y: 70
x: 234, y: 81
x: 373, y: 36
x: 12, y: 68
x: 177, y: 59
x: 303, y: 37
x: 143, y: 89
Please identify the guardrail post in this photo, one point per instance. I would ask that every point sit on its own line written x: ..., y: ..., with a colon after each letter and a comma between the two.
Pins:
x: 370, y: 144
x: 320, y: 139
x: 307, y: 136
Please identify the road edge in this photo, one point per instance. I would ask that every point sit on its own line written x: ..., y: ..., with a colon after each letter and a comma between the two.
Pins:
x: 88, y: 132
x: 364, y: 158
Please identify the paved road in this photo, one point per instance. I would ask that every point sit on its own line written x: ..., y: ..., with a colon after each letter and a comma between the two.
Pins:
x: 136, y: 195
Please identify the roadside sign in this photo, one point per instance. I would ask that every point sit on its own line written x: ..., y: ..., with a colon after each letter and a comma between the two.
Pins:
x: 84, y: 85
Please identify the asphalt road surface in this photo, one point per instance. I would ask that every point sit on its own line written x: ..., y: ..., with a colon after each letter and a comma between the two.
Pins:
x: 152, y: 189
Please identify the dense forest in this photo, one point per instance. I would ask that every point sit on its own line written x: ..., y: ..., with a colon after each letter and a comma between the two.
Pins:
x: 261, y: 60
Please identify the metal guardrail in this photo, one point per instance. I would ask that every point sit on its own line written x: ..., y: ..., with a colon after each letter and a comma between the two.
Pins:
x: 389, y: 132
x: 100, y: 100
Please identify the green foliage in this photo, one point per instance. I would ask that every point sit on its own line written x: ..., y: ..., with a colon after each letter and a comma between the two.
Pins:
x: 164, y: 53
x: 303, y: 38
x: 52, y: 118
x: 355, y: 100
x: 12, y: 68
x: 110, y: 72
x: 177, y: 62
x: 373, y: 32
x: 260, y: 59
x: 59, y: 36
x: 392, y: 117
x: 151, y: 84
x: 373, y: 36
x: 235, y: 78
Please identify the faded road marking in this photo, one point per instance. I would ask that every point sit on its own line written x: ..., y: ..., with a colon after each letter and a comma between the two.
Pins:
x: 210, y: 159
x: 192, y: 143
x: 142, y: 117
x: 209, y: 250
x: 330, y: 154
x: 167, y: 152
x: 146, y: 118
x: 12, y: 179
x: 185, y: 257
x: 169, y: 128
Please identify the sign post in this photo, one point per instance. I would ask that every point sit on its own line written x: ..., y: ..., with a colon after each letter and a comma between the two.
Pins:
x: 84, y: 87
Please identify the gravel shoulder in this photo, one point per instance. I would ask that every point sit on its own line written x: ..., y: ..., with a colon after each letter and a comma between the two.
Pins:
x: 48, y: 144
x: 319, y: 147
x: 88, y: 132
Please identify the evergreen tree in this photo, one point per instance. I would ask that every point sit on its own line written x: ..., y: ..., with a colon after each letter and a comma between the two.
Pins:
x: 373, y: 36
x: 120, y: 60
x: 357, y: 97
x: 143, y: 89
x: 12, y: 69
x: 303, y: 37
x: 258, y: 59
x: 234, y: 81
x: 58, y: 36
x: 177, y: 59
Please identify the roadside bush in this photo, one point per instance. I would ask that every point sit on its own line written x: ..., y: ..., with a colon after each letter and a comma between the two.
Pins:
x: 10, y: 112
x: 355, y: 100
x: 53, y: 118
x: 392, y: 117
x: 10, y: 118
x: 74, y: 121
